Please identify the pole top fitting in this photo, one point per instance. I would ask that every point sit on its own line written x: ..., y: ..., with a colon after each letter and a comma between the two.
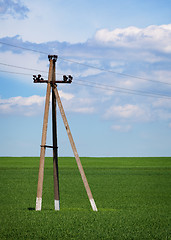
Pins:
x: 53, y: 57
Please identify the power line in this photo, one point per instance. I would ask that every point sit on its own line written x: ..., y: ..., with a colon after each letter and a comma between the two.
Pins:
x: 90, y: 66
x: 123, y: 91
x: 23, y: 48
x: 30, y: 69
x: 105, y: 87
x: 111, y: 71
x: 19, y: 73
x: 121, y: 88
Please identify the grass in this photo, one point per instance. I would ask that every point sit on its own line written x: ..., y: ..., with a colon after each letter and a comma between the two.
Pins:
x: 133, y: 196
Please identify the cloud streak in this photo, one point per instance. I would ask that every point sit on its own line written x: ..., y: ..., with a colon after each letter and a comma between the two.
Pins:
x: 27, y: 106
x: 14, y: 8
x: 121, y: 128
x: 128, y: 111
x: 151, y: 37
x: 34, y: 105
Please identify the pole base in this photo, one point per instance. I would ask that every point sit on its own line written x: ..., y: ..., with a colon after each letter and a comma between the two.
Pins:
x: 57, y: 205
x: 93, y: 205
x: 38, y: 204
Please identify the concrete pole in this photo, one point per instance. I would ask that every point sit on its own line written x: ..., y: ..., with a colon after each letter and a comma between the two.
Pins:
x: 83, y: 176
x: 43, y: 142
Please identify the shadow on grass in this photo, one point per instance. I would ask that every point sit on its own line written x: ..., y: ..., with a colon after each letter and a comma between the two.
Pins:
x: 43, y: 209
x: 31, y: 209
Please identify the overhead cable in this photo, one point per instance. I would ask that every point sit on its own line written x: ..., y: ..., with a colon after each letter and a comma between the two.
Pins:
x: 121, y: 88
x: 89, y: 66
x: 23, y: 48
x: 30, y: 69
x: 106, y: 87
x: 114, y: 72
x: 123, y: 91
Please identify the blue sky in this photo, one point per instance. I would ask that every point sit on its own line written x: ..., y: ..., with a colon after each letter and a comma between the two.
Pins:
x: 110, y: 112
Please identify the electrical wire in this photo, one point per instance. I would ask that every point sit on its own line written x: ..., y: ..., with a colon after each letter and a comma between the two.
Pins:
x: 106, y: 87
x: 87, y: 65
x: 114, y: 72
x: 121, y: 88
x: 19, y: 73
x: 23, y: 48
x: 122, y: 91
x: 30, y: 69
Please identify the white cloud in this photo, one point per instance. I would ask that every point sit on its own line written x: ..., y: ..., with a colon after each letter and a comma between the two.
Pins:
x: 84, y: 110
x: 22, y: 101
x: 159, y: 110
x: 89, y: 72
x: 162, y: 114
x: 162, y: 103
x: 163, y: 76
x: 151, y: 37
x: 129, y: 112
x: 26, y: 106
x: 162, y: 109
x: 66, y: 96
x: 121, y: 128
x: 79, y: 104
x: 14, y: 8
x: 34, y: 105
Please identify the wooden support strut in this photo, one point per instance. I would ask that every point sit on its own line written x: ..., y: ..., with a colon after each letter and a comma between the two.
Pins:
x: 43, y: 142
x: 83, y: 176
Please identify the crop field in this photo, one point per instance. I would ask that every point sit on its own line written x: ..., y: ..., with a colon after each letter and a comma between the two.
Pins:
x: 133, y: 197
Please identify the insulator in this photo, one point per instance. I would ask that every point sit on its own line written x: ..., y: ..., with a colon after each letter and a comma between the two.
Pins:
x: 65, y: 78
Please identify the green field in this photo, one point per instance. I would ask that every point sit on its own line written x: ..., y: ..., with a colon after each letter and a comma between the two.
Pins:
x: 133, y: 196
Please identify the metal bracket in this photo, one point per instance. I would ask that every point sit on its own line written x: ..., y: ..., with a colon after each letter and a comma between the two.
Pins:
x: 47, y: 146
x: 39, y: 79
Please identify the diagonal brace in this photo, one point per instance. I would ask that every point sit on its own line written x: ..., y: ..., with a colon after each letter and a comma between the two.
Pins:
x: 83, y: 176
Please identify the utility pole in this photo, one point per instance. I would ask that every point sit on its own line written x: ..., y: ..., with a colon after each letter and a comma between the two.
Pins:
x: 51, y: 83
x: 55, y: 147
